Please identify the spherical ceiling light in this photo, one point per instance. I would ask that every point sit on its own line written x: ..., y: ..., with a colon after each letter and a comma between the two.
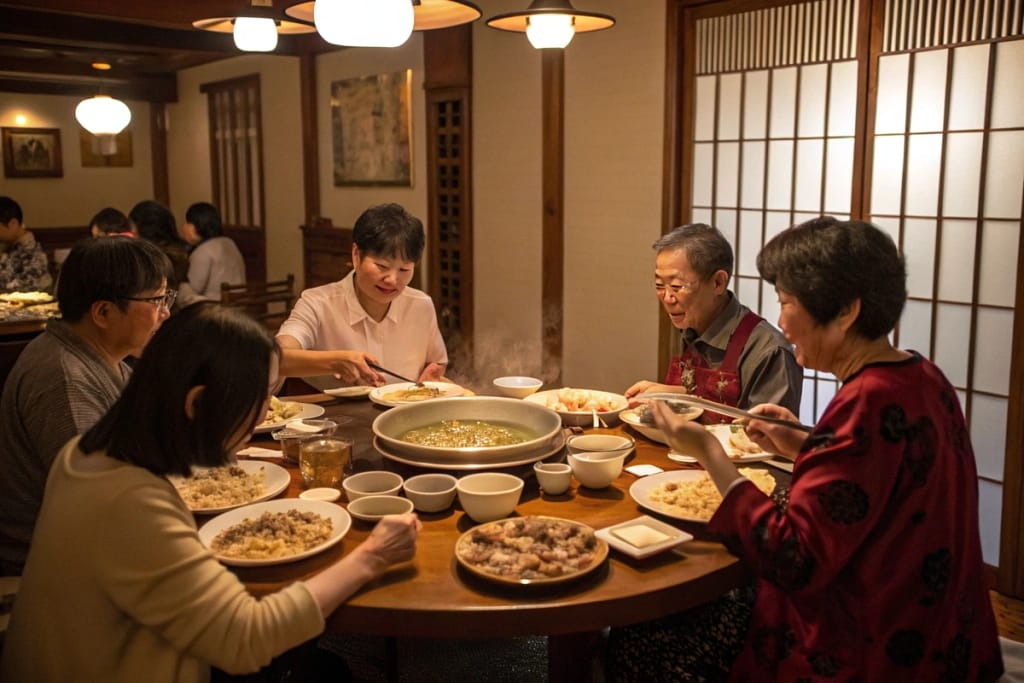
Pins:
x: 103, y: 115
x: 364, y: 23
x: 255, y: 34
x: 550, y: 30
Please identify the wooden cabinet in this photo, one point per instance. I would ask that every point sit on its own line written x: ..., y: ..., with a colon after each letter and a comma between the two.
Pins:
x: 326, y: 253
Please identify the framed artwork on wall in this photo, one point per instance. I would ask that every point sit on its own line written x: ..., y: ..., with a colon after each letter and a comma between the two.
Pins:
x: 371, y: 123
x: 108, y: 151
x: 32, y: 153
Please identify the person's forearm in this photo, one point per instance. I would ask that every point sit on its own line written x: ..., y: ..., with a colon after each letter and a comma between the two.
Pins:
x: 340, y: 581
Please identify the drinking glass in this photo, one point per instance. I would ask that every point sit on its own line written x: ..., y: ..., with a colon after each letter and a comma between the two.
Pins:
x: 323, y: 461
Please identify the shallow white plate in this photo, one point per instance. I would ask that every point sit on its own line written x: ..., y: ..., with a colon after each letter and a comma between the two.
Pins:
x: 275, y: 480
x: 722, y: 432
x: 675, y: 537
x: 445, y: 390
x: 356, y: 391
x: 306, y: 411
x: 632, y: 418
x: 641, y: 490
x: 340, y: 521
x: 582, y: 418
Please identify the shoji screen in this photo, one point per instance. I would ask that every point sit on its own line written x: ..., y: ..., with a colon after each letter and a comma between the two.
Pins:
x: 774, y: 125
x: 947, y: 180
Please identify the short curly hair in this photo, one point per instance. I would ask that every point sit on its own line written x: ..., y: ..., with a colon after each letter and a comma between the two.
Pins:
x: 827, y: 264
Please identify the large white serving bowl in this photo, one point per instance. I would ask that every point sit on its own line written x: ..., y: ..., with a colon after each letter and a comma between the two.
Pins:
x: 431, y: 492
x: 372, y: 483
x: 582, y: 418
x: 597, y: 470
x: 487, y: 496
x: 517, y: 386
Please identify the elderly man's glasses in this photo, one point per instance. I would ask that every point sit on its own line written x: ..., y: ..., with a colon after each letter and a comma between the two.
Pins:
x: 683, y: 288
x: 165, y: 300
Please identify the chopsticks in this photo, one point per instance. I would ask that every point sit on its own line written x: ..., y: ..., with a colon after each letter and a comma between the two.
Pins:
x: 687, y: 399
x: 379, y: 368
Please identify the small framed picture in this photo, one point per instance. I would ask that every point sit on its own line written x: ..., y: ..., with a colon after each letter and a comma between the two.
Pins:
x: 32, y: 153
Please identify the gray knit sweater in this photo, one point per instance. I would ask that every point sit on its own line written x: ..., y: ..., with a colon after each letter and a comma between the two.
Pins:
x: 59, y: 387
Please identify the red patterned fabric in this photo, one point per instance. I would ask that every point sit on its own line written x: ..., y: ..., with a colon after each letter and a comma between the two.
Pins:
x: 874, y: 571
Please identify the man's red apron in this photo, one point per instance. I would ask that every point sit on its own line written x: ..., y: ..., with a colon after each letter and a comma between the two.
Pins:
x: 721, y: 384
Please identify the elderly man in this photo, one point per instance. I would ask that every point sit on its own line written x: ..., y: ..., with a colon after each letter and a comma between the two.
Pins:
x: 113, y: 295
x: 729, y: 354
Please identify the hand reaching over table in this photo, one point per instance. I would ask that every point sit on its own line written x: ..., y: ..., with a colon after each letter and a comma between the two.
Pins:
x: 775, y: 438
x: 687, y: 436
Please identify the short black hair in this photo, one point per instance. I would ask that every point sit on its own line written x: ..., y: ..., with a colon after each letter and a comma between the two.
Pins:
x: 204, y: 345
x: 706, y: 248
x: 205, y: 217
x: 155, y: 222
x: 110, y: 221
x: 827, y: 264
x: 389, y: 230
x: 10, y: 209
x: 108, y: 269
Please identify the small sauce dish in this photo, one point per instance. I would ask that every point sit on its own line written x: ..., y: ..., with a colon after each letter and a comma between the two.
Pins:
x: 321, y: 493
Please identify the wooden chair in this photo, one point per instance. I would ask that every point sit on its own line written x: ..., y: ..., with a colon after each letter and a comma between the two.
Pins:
x: 269, y: 302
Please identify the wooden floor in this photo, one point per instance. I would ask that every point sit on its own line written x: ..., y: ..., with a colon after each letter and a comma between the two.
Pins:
x: 1009, y: 616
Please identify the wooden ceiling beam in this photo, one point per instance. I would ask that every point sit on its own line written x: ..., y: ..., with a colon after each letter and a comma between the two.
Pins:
x: 152, y: 89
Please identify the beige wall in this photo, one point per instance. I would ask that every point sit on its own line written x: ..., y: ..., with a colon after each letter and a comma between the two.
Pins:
x: 73, y: 199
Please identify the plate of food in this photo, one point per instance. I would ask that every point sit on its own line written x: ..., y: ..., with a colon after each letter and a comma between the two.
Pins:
x: 689, y: 495
x: 26, y: 298
x: 212, y: 490
x: 643, y: 536
x: 329, y: 384
x: 356, y: 391
x: 734, y: 440
x: 401, y: 393
x: 635, y: 418
x: 280, y: 413
x: 275, y: 531
x: 579, y: 406
x: 497, y: 551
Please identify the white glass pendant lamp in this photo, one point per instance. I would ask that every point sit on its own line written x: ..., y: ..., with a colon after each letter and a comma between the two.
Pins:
x: 364, y: 23
x: 103, y: 115
x: 256, y: 27
x: 255, y: 34
x: 551, y: 23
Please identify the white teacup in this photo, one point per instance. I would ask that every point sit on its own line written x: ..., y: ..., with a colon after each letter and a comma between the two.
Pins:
x: 554, y: 477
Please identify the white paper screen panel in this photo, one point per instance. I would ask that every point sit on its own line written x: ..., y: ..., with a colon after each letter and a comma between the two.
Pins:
x: 730, y: 89
x: 838, y: 176
x: 842, y: 104
x: 780, y: 174
x: 749, y: 244
x: 919, y: 253
x: 1007, y: 111
x: 952, y: 335
x: 891, y: 112
x: 809, y: 163
x: 990, y: 512
x: 704, y: 101
x: 811, y: 107
x: 956, y: 261
x: 887, y: 175
x: 752, y: 182
x: 727, y: 174
x: 916, y: 327
x: 962, y: 179
x: 928, y: 97
x: 992, y: 358
x: 703, y: 173
x: 783, y: 99
x: 924, y: 154
x: 1004, y: 174
x: 988, y: 434
x: 755, y: 104
x: 967, y: 89
x: 997, y: 276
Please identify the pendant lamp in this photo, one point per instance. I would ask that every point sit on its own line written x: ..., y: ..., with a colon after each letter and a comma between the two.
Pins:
x: 427, y: 14
x: 551, y: 23
x: 364, y: 23
x: 255, y: 28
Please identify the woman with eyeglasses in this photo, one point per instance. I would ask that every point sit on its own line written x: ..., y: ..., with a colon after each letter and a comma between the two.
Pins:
x: 113, y: 295
x: 728, y: 353
x: 118, y: 586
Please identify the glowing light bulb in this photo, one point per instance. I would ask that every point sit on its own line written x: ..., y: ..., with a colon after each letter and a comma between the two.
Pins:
x: 255, y: 34
x: 550, y: 30
x: 364, y: 23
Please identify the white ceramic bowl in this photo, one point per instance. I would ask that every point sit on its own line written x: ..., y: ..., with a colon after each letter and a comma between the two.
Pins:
x: 372, y: 508
x: 517, y: 386
x: 488, y: 496
x: 554, y: 477
x: 373, y: 483
x: 613, y: 404
x: 430, y: 492
x: 612, y: 444
x: 321, y: 493
x: 597, y: 470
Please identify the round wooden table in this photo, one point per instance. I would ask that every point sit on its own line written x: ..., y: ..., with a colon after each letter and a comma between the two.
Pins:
x: 431, y: 596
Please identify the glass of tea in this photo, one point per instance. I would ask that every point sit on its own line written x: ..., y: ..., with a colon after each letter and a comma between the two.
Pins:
x: 323, y: 460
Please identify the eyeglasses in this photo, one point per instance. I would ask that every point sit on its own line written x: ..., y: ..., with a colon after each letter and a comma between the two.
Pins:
x: 684, y: 288
x: 165, y: 300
